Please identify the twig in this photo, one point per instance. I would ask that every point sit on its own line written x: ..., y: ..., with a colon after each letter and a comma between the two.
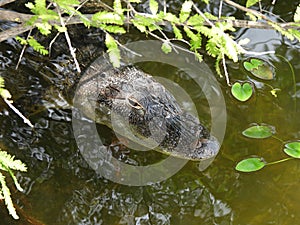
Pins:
x: 165, y: 7
x: 172, y: 45
x: 27, y: 121
x: 23, y: 50
x: 4, y: 2
x: 225, y: 71
x: 72, y: 50
x: 67, y: 21
x: 254, y: 12
x: 12, y: 32
x: 220, y: 9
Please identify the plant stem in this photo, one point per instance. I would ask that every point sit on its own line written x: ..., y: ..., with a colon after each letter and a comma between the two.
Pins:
x: 277, y: 138
x: 279, y: 161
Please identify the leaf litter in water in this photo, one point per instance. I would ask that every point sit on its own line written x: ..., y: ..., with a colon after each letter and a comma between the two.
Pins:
x: 260, y: 69
x: 259, y: 131
x: 250, y: 165
x: 292, y: 149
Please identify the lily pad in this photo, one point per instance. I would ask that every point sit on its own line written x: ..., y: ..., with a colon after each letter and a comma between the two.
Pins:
x: 259, y: 69
x: 250, y: 165
x: 258, y: 132
x: 241, y: 92
x: 292, y: 149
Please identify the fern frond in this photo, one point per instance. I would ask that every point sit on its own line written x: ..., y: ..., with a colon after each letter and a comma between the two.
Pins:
x: 4, y: 93
x: 107, y: 17
x: 113, y: 50
x: 7, y: 197
x: 37, y: 46
x: 185, y: 11
x: 10, y: 162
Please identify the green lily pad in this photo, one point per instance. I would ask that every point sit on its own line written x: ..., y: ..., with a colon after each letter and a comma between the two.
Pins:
x: 253, y: 64
x: 241, y: 92
x: 258, y: 132
x: 259, y: 69
x: 292, y: 149
x: 250, y: 165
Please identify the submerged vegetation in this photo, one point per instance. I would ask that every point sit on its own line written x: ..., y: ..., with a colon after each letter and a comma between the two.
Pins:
x: 194, y: 29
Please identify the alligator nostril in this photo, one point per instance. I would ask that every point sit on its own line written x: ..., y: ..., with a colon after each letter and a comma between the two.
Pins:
x: 196, y: 144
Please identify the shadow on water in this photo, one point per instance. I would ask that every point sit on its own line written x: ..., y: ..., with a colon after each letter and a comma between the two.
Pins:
x: 60, y: 188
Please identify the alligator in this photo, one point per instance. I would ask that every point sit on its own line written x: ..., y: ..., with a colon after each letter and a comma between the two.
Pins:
x: 149, y: 109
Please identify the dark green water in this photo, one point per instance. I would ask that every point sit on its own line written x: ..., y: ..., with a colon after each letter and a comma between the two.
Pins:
x: 61, y: 188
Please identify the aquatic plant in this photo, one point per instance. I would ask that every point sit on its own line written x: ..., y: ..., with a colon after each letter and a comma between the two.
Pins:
x: 189, y: 26
x: 291, y: 148
x: 8, y: 164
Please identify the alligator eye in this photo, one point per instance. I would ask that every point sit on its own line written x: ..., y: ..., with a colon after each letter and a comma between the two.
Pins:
x: 134, y: 103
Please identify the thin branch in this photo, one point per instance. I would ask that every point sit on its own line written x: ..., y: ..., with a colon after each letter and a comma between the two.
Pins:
x: 247, y: 10
x: 67, y: 21
x: 72, y: 50
x: 172, y: 45
x: 225, y: 71
x: 220, y: 9
x: 27, y: 121
x: 23, y: 50
x: 4, y: 2
x: 12, y: 32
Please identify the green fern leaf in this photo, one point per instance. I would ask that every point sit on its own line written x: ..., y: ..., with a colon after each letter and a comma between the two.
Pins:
x: 250, y: 3
x: 195, y: 20
x: 295, y: 33
x: 210, y: 16
x: 44, y: 28
x: 113, y: 29
x: 198, y: 56
x: 4, y: 93
x: 8, y: 161
x: 7, y: 197
x: 196, y: 39
x: 283, y: 31
x: 166, y: 47
x: 113, y: 50
x: 297, y: 14
x: 185, y: 11
x: 21, y: 40
x: 37, y: 46
x: 153, y: 6
x: 118, y: 7
x: 168, y: 17
x: 206, y: 1
x: 177, y: 32
x: 211, y: 48
x: 107, y: 17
